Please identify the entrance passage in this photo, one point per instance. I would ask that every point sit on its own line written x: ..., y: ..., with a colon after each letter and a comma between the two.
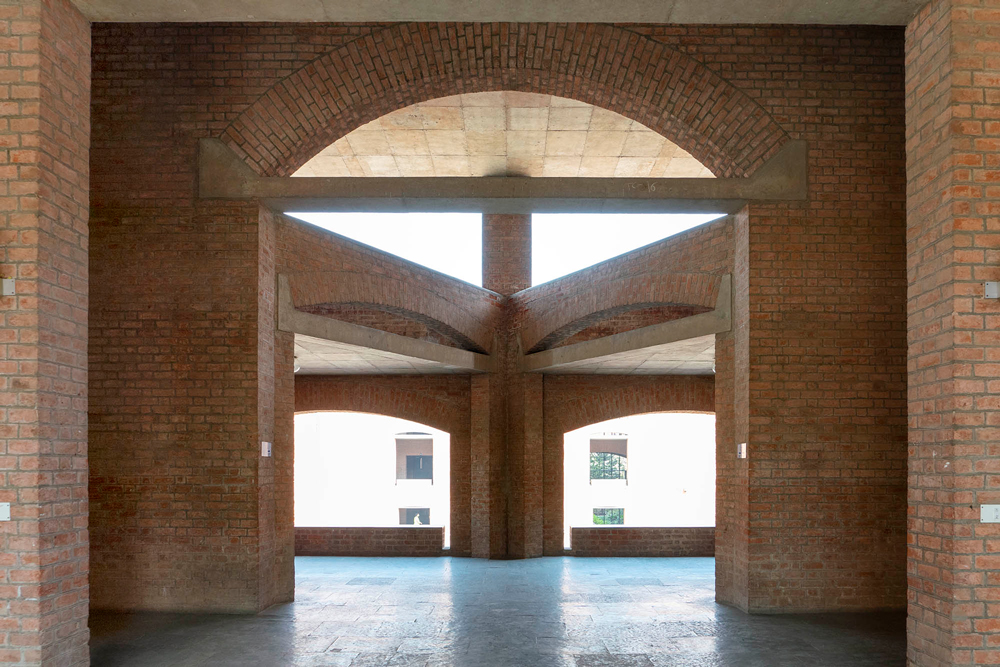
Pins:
x: 358, y: 470
x: 653, y: 471
x: 547, y: 612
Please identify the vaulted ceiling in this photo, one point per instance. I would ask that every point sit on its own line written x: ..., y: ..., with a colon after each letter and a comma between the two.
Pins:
x: 504, y: 134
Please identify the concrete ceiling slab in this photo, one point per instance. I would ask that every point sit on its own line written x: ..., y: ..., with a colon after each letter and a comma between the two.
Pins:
x: 694, y: 356
x: 315, y: 356
x: 842, y: 12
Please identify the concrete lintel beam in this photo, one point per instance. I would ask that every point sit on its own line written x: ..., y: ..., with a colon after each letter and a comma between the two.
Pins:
x: 317, y: 326
x: 715, y: 321
x: 223, y: 175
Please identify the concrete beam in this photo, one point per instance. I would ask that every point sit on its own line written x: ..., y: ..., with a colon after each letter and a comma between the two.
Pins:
x: 716, y: 321
x: 325, y: 328
x: 223, y: 175
x: 823, y: 12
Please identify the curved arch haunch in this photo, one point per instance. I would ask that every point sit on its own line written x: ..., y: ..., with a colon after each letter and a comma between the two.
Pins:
x: 616, y: 320
x: 665, y: 90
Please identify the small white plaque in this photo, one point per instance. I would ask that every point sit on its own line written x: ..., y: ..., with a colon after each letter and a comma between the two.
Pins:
x: 989, y: 513
x: 741, y: 450
x: 991, y: 290
x: 9, y: 288
x: 265, y: 449
x: 4, y: 511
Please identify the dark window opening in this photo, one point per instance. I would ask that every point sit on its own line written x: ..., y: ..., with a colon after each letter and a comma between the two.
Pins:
x: 609, y: 516
x: 419, y: 467
x: 414, y: 516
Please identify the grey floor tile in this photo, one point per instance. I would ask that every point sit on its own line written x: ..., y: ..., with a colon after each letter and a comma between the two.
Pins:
x: 548, y: 612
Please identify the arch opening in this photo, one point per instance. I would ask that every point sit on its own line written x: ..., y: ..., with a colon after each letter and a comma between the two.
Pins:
x: 504, y: 133
x: 645, y: 471
x: 358, y: 470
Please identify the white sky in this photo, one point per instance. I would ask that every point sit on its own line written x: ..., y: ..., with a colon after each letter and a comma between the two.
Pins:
x: 452, y: 243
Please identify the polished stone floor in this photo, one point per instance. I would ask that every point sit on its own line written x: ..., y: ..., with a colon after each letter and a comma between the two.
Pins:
x: 635, y: 612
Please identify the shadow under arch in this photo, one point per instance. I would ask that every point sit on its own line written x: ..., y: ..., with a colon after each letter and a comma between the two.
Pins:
x: 603, y: 65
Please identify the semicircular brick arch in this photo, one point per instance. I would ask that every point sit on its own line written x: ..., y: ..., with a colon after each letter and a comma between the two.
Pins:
x: 603, y: 65
x: 441, y: 402
x: 466, y: 318
x: 552, y: 320
x: 572, y: 402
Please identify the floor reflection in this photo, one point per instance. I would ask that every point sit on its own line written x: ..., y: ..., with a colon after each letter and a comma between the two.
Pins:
x: 464, y: 612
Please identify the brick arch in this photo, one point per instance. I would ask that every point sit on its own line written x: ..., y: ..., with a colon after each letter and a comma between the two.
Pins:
x: 441, y: 402
x: 604, y: 65
x: 572, y: 402
x: 465, y: 318
x: 568, y: 312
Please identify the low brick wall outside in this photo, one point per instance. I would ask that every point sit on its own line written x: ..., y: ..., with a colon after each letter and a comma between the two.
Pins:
x: 608, y: 541
x: 390, y: 541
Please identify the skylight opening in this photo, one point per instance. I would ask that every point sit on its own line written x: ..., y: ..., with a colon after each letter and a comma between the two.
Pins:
x: 563, y: 243
x: 449, y: 243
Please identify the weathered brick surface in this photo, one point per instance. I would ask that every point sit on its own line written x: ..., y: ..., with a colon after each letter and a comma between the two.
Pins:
x: 506, y: 252
x: 953, y: 245
x: 175, y: 380
x: 682, y: 270
x: 395, y: 541
x: 609, y: 66
x: 325, y: 269
x: 643, y: 542
x: 440, y: 401
x: 44, y: 144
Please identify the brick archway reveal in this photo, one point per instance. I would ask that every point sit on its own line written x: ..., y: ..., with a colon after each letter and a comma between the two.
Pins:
x: 185, y: 382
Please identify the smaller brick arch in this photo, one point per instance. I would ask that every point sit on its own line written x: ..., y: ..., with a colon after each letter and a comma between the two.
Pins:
x: 441, y: 402
x: 564, y: 312
x: 463, y: 316
x: 572, y: 402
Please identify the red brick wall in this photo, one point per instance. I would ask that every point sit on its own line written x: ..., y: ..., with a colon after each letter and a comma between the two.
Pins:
x: 605, y: 65
x: 326, y: 269
x: 506, y: 252
x: 953, y: 245
x: 396, y: 541
x: 45, y: 135
x: 824, y: 371
x: 441, y: 401
x: 642, y: 542
x: 826, y: 333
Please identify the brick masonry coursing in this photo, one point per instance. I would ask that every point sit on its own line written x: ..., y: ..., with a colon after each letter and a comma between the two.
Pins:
x: 817, y: 364
x: 44, y: 144
x: 366, y: 542
x: 641, y: 542
x: 953, y: 245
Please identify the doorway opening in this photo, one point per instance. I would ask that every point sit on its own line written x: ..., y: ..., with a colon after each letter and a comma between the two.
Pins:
x: 651, y: 471
x: 361, y: 470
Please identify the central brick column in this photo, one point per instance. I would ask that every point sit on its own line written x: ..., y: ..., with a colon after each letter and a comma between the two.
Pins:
x: 506, y: 252
x: 507, y: 411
